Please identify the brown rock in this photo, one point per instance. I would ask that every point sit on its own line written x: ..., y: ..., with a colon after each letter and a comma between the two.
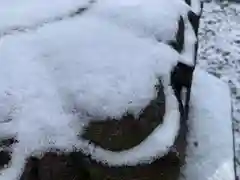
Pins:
x: 53, y: 166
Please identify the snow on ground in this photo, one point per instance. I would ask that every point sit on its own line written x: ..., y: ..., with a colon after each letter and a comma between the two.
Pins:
x: 219, y: 52
x: 61, y: 75
x: 209, y: 155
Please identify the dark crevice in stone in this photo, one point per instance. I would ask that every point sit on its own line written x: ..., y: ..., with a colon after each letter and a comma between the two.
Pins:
x: 7, y: 142
x: 78, y: 12
x: 194, y: 20
x: 5, y: 158
x: 195, y: 52
x: 178, y: 43
x: 5, y: 152
x: 195, y: 144
x: 117, y: 135
x: 188, y: 2
x: 181, y: 77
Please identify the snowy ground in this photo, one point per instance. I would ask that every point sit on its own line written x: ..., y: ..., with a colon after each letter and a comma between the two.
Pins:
x: 219, y: 52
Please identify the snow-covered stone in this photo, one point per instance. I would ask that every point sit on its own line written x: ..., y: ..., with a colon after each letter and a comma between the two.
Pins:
x: 210, y: 142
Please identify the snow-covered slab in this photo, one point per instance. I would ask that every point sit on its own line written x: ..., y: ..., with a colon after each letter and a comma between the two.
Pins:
x: 19, y: 13
x: 210, y: 142
x: 59, y: 76
x: 90, y: 54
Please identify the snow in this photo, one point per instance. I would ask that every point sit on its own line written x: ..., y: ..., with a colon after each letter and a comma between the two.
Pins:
x: 190, y: 39
x: 188, y: 54
x: 210, y: 124
x: 68, y: 72
x: 146, y: 18
x: 15, y: 14
x: 196, y: 6
x: 219, y: 53
x: 57, y: 77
